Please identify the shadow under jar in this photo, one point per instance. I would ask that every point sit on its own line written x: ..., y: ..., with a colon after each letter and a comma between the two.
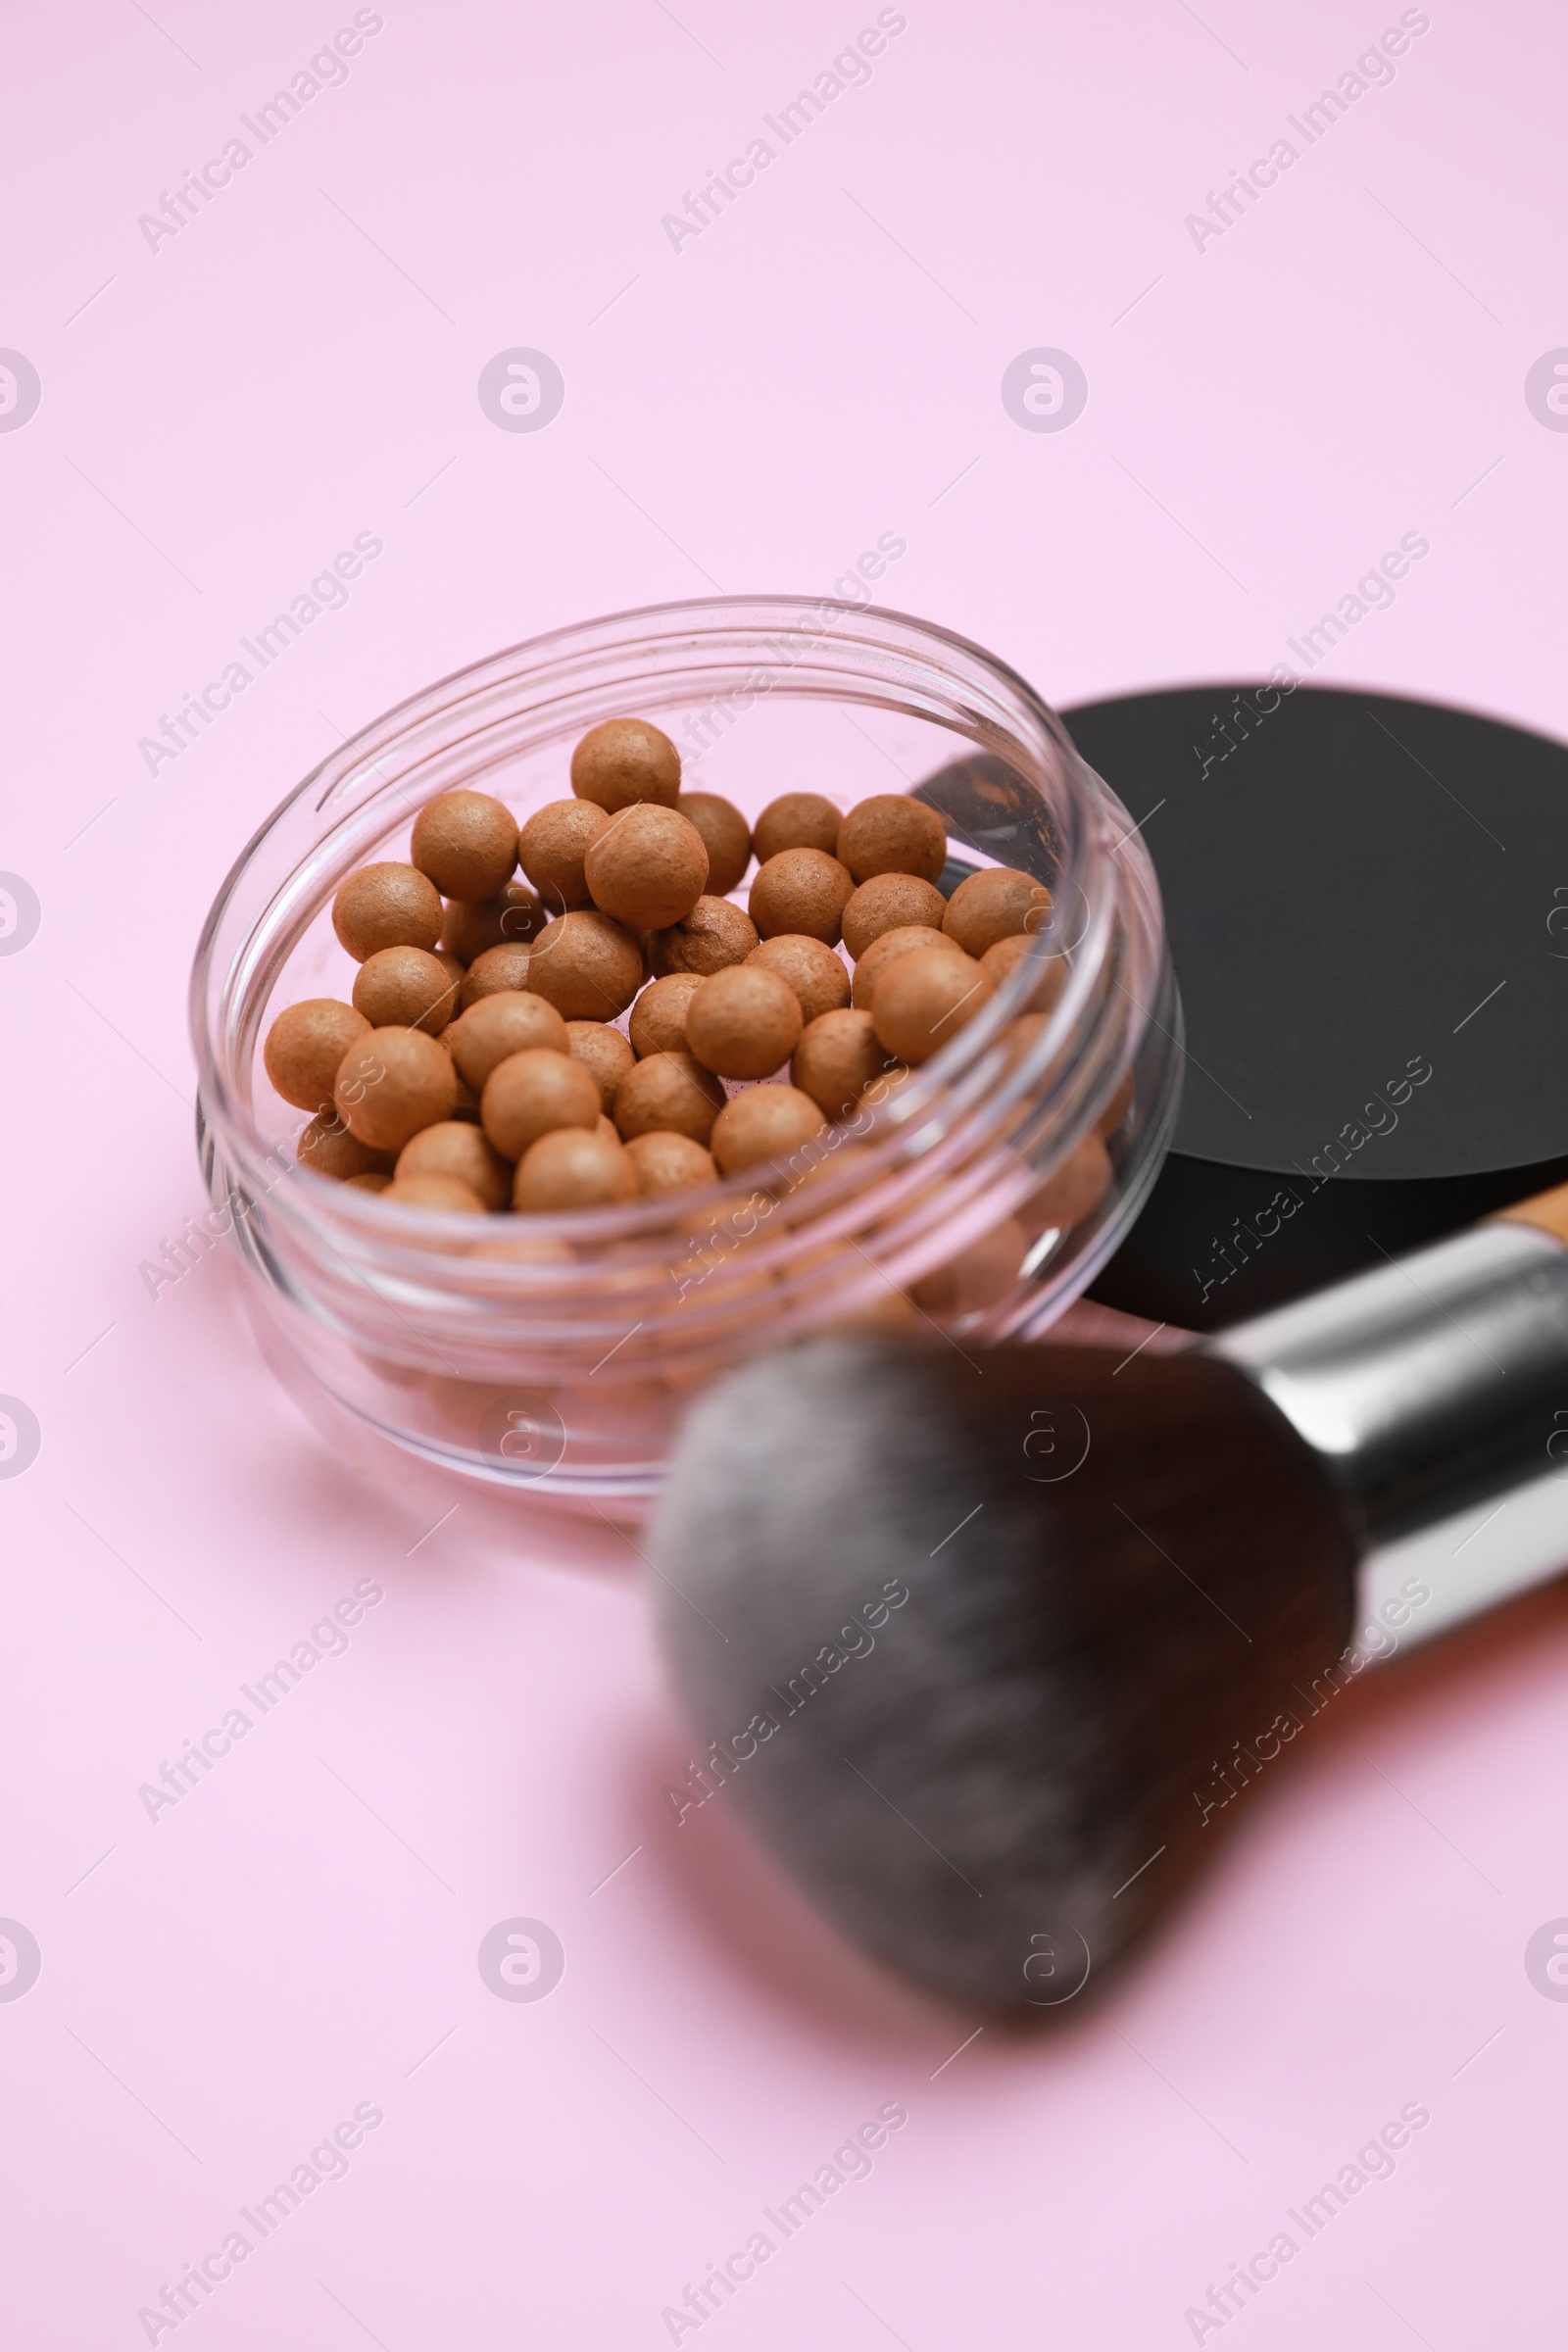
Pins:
x: 553, y: 1354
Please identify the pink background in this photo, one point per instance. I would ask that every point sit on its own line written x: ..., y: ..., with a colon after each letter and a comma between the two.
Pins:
x: 221, y: 1987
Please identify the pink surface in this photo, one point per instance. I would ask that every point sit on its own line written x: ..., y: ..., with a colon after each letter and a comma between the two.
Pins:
x: 296, y: 1938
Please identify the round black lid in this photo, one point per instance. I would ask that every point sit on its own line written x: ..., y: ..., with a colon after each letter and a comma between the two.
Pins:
x: 1367, y: 902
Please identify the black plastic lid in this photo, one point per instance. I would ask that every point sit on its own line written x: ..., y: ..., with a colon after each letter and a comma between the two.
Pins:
x: 1367, y: 900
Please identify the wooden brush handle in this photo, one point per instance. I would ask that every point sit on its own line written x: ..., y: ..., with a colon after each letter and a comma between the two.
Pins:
x: 1548, y: 1210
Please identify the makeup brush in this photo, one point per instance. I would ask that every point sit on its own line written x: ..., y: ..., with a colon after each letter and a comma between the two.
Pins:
x: 985, y: 1648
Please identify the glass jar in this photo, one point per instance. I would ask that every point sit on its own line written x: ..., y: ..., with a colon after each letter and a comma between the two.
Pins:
x: 977, y: 1195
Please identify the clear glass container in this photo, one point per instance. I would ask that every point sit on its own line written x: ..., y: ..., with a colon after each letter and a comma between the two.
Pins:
x: 979, y: 1195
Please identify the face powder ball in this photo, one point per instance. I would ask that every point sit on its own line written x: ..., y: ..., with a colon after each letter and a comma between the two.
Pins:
x: 908, y: 939
x: 305, y: 1046
x: 1021, y: 1037
x: 979, y: 1277
x: 797, y: 820
x: 1003, y: 958
x: 623, y: 760
x: 922, y: 1001
x: 648, y: 867
x: 466, y: 843
x: 533, y: 1092
x: 744, y: 1022
x: 327, y: 1149
x: 387, y: 905
x: 436, y: 1192
x: 665, y: 1162
x: 405, y: 987
x: 392, y: 1083
x: 570, y: 1168
x: 510, y: 1022
x: 468, y: 1101
x: 458, y: 1150
x: 890, y: 834
x: 838, y: 1056
x: 497, y: 970
x: 801, y: 890
x: 1077, y: 1185
x: 552, y: 847
x: 603, y: 1051
x: 819, y: 978
x: 726, y: 837
x: 766, y: 1122
x: 714, y: 935
x: 669, y: 1091
x: 891, y: 902
x: 998, y: 904
x: 512, y: 917
x: 587, y: 965
x: 658, y: 1022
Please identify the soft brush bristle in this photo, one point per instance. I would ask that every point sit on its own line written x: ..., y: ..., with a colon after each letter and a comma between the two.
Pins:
x: 1112, y: 1574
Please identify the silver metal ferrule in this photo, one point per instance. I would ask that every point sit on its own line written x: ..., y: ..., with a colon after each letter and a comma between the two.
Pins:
x: 1434, y: 1391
